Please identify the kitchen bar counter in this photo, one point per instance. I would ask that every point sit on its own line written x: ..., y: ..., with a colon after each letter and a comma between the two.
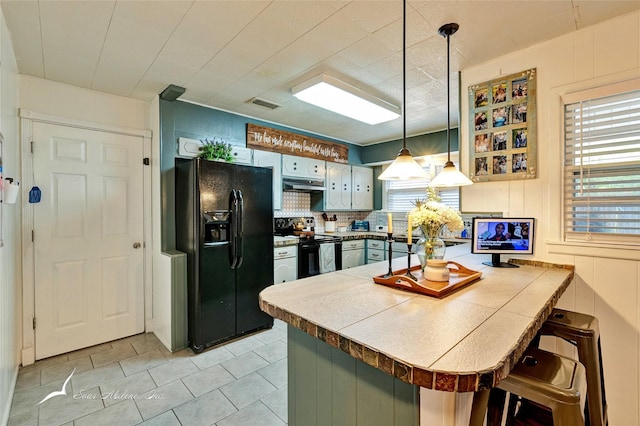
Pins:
x: 372, y: 235
x: 464, y: 342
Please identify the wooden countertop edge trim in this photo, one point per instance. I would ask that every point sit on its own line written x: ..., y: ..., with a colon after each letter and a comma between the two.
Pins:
x: 428, y: 378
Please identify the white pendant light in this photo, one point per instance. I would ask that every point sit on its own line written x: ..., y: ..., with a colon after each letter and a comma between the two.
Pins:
x: 449, y: 176
x: 404, y: 167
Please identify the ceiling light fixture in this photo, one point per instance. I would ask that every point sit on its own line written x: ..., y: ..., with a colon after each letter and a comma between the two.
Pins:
x: 404, y: 167
x: 337, y: 96
x: 449, y: 176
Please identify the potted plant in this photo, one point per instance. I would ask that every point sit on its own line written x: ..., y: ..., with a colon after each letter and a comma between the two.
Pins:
x: 216, y: 150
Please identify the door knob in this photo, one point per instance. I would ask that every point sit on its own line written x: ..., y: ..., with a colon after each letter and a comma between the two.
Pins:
x: 136, y: 245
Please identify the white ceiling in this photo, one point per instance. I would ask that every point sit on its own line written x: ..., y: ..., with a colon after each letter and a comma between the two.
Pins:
x: 227, y: 52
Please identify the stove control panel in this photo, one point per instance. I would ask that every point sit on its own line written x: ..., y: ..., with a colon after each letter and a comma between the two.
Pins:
x: 286, y: 225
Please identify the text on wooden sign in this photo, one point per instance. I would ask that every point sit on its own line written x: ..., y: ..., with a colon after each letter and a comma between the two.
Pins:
x: 268, y: 139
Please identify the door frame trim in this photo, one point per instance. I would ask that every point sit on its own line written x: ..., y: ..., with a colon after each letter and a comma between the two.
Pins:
x: 27, y: 118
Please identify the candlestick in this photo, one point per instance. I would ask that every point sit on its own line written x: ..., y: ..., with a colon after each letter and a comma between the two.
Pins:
x: 390, y: 241
x: 409, y: 274
x: 410, y: 231
x: 390, y: 224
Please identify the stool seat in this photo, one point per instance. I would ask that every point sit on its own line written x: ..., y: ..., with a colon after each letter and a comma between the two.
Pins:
x: 553, y: 381
x: 582, y: 331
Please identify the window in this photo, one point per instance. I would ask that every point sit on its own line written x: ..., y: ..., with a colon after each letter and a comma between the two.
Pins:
x: 602, y: 167
x: 401, y: 194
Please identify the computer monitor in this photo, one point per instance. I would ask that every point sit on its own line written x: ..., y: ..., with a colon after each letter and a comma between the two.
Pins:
x: 504, y: 235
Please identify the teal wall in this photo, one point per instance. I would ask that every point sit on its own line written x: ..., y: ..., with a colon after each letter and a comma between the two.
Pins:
x: 428, y: 144
x: 182, y: 119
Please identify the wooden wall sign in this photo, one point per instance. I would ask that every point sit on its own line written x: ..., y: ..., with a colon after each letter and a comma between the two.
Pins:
x: 268, y: 139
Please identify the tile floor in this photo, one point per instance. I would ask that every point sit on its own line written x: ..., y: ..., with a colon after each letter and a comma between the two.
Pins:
x: 136, y: 380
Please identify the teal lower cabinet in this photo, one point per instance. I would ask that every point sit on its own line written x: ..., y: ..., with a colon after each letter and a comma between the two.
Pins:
x: 329, y: 387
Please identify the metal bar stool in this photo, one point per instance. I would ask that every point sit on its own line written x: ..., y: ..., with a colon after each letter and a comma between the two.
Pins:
x: 582, y: 331
x: 552, y: 381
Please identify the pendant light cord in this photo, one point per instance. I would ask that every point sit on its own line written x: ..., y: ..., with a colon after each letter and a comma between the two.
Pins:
x: 446, y: 31
x: 448, y: 100
x: 404, y: 74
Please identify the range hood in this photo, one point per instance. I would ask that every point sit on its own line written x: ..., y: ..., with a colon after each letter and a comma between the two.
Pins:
x: 302, y: 185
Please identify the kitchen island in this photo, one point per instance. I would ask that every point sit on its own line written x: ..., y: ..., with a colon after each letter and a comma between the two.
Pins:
x: 366, y: 354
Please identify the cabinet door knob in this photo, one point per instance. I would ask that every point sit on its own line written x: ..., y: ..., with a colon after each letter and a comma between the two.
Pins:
x: 136, y: 245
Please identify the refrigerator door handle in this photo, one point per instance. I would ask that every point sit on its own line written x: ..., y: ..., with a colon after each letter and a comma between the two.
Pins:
x: 233, y: 236
x: 239, y: 229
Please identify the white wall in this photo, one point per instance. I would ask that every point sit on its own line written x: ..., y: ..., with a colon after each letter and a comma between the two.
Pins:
x: 607, y: 281
x: 62, y: 100
x: 81, y: 106
x: 10, y: 260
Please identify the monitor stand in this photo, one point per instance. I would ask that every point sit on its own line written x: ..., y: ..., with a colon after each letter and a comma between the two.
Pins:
x: 495, y: 262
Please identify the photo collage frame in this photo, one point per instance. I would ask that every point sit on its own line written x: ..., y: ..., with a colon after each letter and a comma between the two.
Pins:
x: 502, y: 115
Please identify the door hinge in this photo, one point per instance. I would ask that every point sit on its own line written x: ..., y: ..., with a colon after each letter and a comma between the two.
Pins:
x: 32, y: 147
x: 34, y: 323
x: 33, y: 235
x: 145, y: 161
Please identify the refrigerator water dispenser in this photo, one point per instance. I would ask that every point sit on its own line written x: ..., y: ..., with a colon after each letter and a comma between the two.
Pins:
x: 216, y: 226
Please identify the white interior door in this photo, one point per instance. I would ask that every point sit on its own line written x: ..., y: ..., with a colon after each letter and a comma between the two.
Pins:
x: 88, y: 237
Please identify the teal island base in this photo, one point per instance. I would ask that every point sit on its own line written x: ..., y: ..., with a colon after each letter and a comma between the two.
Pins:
x: 329, y: 387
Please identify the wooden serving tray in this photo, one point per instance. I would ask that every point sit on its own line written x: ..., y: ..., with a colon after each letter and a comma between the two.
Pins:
x: 460, y: 277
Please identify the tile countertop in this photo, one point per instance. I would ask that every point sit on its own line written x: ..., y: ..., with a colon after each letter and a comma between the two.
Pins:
x: 401, y: 238
x: 464, y: 342
x: 355, y: 235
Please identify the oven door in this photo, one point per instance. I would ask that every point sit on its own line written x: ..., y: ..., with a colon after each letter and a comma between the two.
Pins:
x: 309, y: 257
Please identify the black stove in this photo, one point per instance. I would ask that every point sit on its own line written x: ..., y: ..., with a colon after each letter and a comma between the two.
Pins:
x: 308, y: 244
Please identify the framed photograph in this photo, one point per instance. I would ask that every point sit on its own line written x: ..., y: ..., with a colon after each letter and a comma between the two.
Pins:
x: 519, y: 138
x: 482, y: 167
x: 500, y: 117
x: 482, y: 97
x: 482, y: 143
x: 499, y: 92
x: 499, y: 141
x: 519, y: 163
x: 502, y: 125
x: 481, y: 120
x: 499, y: 164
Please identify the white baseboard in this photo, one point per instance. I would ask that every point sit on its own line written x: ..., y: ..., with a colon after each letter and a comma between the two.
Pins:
x: 28, y: 356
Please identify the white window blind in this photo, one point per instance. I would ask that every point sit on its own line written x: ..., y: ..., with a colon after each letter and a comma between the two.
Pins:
x: 402, y: 194
x: 602, y: 168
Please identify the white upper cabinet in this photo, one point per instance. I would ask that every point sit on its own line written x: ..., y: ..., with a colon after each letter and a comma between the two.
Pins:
x: 303, y: 167
x: 241, y: 155
x: 338, y: 193
x: 273, y: 160
x: 361, y: 188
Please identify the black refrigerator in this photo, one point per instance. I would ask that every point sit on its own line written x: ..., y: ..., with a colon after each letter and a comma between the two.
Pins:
x: 224, y: 222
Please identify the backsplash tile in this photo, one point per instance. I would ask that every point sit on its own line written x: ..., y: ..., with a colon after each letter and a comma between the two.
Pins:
x: 296, y: 204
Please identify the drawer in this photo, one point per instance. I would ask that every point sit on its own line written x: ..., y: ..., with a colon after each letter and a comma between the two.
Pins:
x: 374, y: 255
x: 376, y: 244
x: 284, y: 252
x: 352, y: 245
